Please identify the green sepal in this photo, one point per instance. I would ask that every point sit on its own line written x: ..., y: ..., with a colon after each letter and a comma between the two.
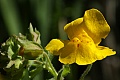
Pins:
x: 33, y: 35
x: 29, y: 49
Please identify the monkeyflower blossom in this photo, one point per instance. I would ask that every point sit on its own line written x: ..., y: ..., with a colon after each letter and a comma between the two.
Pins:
x: 84, y: 35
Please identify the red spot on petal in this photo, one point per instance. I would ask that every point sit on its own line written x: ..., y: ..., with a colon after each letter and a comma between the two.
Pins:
x: 78, y: 45
x: 87, y: 41
x: 73, y: 40
x: 83, y: 35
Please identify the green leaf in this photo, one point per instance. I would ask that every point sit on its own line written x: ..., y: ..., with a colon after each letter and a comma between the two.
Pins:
x: 17, y: 63
x: 52, y: 79
x: 9, y: 51
x: 63, y: 72
x: 66, y: 70
x: 35, y: 71
x: 25, y: 75
x: 14, y: 73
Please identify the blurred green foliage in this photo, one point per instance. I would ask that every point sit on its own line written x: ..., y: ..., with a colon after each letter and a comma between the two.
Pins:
x: 49, y: 17
x: 46, y: 15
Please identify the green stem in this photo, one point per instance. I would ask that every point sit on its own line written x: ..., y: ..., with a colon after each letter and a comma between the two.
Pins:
x: 86, y: 72
x: 50, y: 67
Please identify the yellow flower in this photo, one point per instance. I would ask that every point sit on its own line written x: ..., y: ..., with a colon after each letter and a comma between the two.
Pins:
x: 85, y: 34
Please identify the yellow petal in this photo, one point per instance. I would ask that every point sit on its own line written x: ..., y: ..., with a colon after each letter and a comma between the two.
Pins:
x: 85, y: 54
x: 104, y: 52
x: 80, y: 49
x: 73, y: 29
x: 54, y: 45
x: 96, y: 25
x: 68, y: 52
x: 90, y: 55
x: 83, y: 51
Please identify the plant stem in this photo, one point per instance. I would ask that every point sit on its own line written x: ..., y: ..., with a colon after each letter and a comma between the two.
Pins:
x: 50, y: 66
x: 86, y: 72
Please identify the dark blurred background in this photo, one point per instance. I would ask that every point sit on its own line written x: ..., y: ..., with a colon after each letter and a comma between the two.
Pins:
x: 50, y: 16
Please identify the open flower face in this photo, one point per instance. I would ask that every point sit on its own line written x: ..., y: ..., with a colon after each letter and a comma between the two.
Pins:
x: 84, y: 35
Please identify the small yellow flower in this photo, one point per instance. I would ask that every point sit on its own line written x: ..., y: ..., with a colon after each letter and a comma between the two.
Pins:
x: 85, y: 34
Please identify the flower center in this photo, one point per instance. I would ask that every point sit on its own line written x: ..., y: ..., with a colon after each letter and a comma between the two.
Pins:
x: 82, y: 40
x: 76, y: 41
